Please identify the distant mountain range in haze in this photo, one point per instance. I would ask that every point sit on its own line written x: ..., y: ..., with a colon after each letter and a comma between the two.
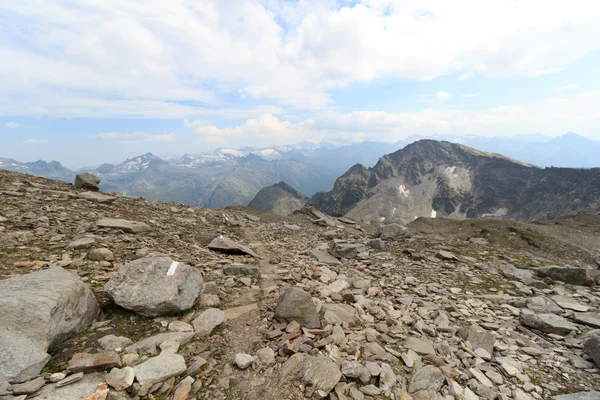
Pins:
x: 234, y: 176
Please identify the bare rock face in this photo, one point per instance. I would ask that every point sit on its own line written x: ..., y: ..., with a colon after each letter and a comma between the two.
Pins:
x: 295, y: 304
x: 156, y: 286
x: 280, y: 198
x: 39, y: 310
x: 87, y: 181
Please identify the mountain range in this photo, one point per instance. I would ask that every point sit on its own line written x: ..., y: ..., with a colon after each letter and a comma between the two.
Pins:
x: 431, y: 178
x: 233, y: 177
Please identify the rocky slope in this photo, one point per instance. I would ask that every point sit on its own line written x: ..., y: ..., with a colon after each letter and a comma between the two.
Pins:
x: 441, y: 179
x: 280, y: 199
x: 237, y: 304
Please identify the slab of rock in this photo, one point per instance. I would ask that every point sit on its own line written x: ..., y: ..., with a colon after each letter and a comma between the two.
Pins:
x: 428, y: 377
x: 323, y: 257
x: 153, y: 342
x: 120, y: 379
x: 419, y: 345
x: 241, y: 270
x: 296, y: 304
x: 77, y: 390
x: 225, y: 245
x: 28, y: 387
x: 82, y: 243
x: 517, y: 274
x: 159, y: 368
x: 570, y: 275
x: 390, y: 231
x: 112, y: 342
x: 592, y: 395
x: 39, y: 310
x: 243, y: 360
x: 342, y: 249
x: 123, y: 225
x: 70, y: 379
x: 206, y: 322
x: 97, y: 197
x: 588, y: 318
x: 542, y: 304
x: 15, y: 238
x: 343, y: 314
x: 446, y: 255
x: 548, y: 323
x: 317, y: 371
x: 591, y: 346
x: 87, y: 181
x: 86, y: 362
x: 482, y: 340
x: 354, y: 369
x: 155, y: 286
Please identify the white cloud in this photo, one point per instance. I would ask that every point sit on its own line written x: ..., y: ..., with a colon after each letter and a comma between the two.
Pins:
x: 464, y: 76
x: 580, y: 113
x: 171, y: 59
x: 35, y: 141
x: 567, y: 87
x: 471, y: 95
x: 443, y: 96
x: 134, y: 137
x: 13, y: 125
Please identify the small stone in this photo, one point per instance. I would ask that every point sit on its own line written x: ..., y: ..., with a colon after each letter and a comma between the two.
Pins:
x: 112, y: 342
x: 243, y: 360
x: 159, y: 369
x: 57, y: 376
x: 483, y: 354
x: 419, y: 345
x: 296, y: 304
x: 180, y: 326
x: 427, y: 378
x: 70, y: 380
x: 120, y: 379
x: 266, y: 356
x: 208, y: 321
x: 101, y: 254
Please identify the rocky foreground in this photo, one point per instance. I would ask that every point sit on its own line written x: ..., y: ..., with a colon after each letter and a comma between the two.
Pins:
x: 104, y: 296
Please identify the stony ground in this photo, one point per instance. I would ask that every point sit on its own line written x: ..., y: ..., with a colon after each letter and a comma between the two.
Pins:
x: 440, y: 311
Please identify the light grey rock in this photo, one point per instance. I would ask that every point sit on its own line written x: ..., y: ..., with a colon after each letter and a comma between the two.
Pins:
x: 243, y: 360
x: 343, y: 314
x: 481, y: 340
x: 21, y: 358
x: 342, y: 249
x: 39, y: 310
x: 3, y: 219
x: 82, y: 243
x: 354, y: 369
x: 77, y: 390
x: 159, y: 368
x: 420, y: 346
x: 323, y: 257
x: 97, y: 197
x: 88, y: 362
x: 370, y: 390
x: 427, y: 378
x: 17, y: 238
x: 70, y: 380
x: 120, y: 378
x: 123, y: 225
x: 266, y: 356
x: 591, y: 395
x: 296, y: 304
x: 570, y: 275
x: 112, y: 342
x: 517, y: 274
x: 101, y: 254
x: 588, y: 318
x: 28, y: 387
x: 387, y: 378
x: 320, y: 372
x: 180, y: 326
x: 446, y: 255
x: 151, y: 343
x: 155, y: 286
x: 390, y: 231
x: 225, y: 245
x: 206, y: 322
x: 591, y: 346
x: 87, y: 181
x: 542, y: 304
x: 548, y: 323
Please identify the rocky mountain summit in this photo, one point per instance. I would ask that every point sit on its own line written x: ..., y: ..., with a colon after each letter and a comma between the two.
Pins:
x: 280, y: 199
x: 105, y: 296
x: 441, y: 179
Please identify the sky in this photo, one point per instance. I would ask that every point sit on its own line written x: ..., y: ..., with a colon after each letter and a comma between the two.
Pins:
x: 91, y: 81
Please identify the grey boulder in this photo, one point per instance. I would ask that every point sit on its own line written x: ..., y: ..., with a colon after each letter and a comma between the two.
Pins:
x: 155, y: 286
x: 87, y: 181
x: 591, y: 346
x: 37, y: 311
x: 572, y: 276
x: 294, y: 304
x: 546, y: 322
x: 390, y: 231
